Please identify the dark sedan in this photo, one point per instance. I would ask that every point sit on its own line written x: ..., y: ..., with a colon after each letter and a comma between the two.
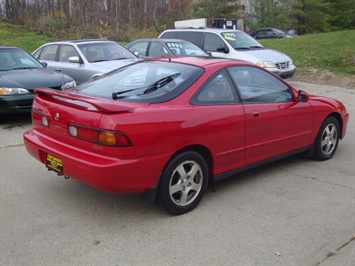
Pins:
x: 164, y: 47
x: 20, y: 73
x: 270, y: 33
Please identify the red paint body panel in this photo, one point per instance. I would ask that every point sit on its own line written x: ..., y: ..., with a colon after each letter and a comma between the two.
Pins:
x: 232, y: 135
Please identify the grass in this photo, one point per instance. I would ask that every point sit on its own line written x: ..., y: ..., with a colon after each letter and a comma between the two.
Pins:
x: 333, y: 51
x: 17, y: 36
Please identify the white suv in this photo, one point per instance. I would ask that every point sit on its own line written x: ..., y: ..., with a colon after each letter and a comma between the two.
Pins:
x: 235, y: 44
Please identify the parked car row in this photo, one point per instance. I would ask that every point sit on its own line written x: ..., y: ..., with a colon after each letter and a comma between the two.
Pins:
x: 82, y: 60
x: 164, y: 117
x: 271, y: 33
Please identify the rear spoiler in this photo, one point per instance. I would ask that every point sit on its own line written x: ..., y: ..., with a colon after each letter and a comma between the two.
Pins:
x: 102, y: 105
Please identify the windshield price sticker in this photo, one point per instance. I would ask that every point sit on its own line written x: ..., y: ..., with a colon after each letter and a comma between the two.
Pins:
x: 54, y: 163
x: 174, y: 45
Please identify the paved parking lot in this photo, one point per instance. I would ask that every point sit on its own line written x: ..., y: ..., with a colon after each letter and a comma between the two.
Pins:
x: 292, y: 212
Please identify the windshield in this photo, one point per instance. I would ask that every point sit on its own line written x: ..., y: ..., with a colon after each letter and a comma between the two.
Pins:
x: 241, y: 40
x: 185, y: 48
x: 14, y: 59
x: 144, y: 81
x: 104, y: 51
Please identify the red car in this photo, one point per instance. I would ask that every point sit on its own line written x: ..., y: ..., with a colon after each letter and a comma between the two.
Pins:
x: 165, y: 127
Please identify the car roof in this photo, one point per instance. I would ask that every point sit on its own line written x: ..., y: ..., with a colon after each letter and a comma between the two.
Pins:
x: 164, y: 40
x: 215, y: 30
x: 201, y: 61
x: 10, y: 47
x: 79, y: 41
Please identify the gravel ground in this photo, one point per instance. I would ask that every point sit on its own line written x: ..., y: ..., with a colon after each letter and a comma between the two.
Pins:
x: 324, y: 77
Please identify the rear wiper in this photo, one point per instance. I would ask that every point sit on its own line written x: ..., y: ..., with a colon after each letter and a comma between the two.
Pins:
x: 161, y: 82
x: 156, y: 85
x: 115, y: 94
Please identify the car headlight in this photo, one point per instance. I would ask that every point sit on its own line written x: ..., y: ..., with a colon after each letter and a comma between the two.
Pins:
x: 291, y: 63
x: 13, y: 91
x: 68, y: 85
x: 266, y: 64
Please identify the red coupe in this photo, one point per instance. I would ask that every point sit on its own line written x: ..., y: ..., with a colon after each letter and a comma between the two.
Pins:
x: 165, y: 127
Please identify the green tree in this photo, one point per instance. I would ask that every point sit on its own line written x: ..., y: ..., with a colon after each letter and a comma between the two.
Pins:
x: 344, y: 11
x: 212, y: 9
x: 273, y: 13
x: 313, y: 15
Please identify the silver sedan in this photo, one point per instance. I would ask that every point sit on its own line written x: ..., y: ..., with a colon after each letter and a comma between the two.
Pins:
x: 84, y: 59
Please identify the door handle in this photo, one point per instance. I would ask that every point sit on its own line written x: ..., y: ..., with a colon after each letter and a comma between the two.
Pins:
x: 255, y: 114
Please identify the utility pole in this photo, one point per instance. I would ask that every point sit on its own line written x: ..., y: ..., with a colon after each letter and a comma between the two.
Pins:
x: 240, y: 23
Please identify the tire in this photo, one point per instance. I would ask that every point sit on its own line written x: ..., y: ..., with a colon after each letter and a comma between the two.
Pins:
x: 327, y: 140
x: 183, y: 183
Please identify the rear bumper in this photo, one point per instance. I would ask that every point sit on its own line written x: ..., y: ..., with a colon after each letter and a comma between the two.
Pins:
x: 126, y: 176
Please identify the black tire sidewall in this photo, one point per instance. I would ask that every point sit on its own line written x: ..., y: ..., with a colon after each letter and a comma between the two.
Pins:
x: 318, y: 153
x: 163, y: 198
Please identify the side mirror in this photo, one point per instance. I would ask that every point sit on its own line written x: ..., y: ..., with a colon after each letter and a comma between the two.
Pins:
x: 44, y: 64
x: 302, y: 96
x: 223, y: 50
x: 136, y: 53
x: 74, y: 59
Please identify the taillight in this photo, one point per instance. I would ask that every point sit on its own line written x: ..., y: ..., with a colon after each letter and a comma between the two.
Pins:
x: 100, y: 136
x: 39, y: 118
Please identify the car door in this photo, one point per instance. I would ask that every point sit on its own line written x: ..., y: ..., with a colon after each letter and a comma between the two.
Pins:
x: 57, y: 59
x: 275, y: 122
x: 222, y: 122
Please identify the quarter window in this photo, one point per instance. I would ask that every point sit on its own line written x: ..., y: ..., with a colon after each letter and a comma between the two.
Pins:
x: 217, y: 90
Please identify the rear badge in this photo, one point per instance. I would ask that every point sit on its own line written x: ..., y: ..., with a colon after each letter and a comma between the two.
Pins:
x: 56, y: 117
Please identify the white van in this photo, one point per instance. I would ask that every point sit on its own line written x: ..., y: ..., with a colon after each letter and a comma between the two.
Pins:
x: 235, y: 44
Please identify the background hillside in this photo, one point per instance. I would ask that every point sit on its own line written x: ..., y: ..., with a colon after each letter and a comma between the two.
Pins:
x: 323, y: 58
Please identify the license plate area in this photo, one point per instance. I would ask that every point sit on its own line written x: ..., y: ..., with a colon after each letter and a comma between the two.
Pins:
x: 54, y: 163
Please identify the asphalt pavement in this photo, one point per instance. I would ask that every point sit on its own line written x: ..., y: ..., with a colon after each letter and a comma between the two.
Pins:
x: 292, y: 212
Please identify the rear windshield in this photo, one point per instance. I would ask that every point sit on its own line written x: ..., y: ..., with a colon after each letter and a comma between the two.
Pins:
x: 144, y: 81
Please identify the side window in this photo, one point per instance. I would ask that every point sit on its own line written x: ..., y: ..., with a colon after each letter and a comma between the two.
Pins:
x: 140, y: 47
x: 217, y: 90
x: 49, y: 52
x: 67, y: 51
x: 157, y: 49
x: 259, y: 86
x: 213, y: 42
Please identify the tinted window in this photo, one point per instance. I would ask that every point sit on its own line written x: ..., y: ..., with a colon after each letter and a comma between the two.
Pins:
x: 48, y: 53
x: 67, y: 51
x: 157, y: 49
x: 217, y: 90
x: 145, y: 81
x: 213, y: 42
x: 259, y: 86
x: 191, y: 36
x: 140, y: 47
